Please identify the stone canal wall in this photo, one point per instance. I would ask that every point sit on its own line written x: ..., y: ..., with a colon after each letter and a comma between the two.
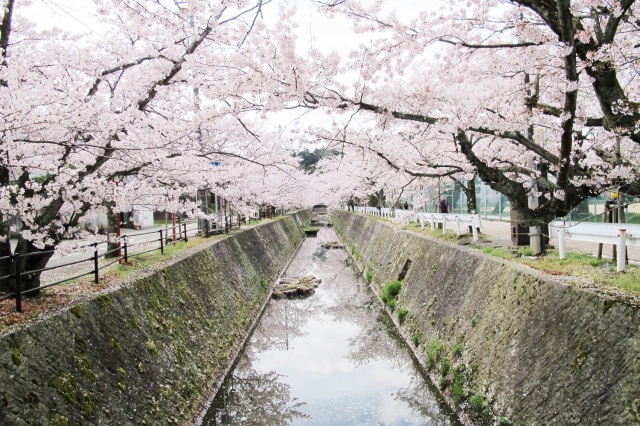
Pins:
x: 149, y: 352
x: 505, y: 339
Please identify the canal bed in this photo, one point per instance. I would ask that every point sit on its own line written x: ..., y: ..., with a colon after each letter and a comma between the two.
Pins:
x: 333, y: 358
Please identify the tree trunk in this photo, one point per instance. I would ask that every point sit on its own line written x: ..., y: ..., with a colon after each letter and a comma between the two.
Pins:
x: 31, y: 259
x: 470, y: 192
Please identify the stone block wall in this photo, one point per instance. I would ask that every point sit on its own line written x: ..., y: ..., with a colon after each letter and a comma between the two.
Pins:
x: 151, y: 351
x: 535, y: 350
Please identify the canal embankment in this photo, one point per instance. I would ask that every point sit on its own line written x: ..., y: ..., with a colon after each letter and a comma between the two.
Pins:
x: 327, y: 357
x: 152, y: 350
x: 505, y: 343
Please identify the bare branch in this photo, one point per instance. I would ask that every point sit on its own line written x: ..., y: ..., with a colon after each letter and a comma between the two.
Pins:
x: 491, y: 46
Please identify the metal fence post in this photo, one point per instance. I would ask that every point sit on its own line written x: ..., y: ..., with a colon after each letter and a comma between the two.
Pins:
x: 185, y: 232
x: 95, y: 262
x: 161, y: 242
x: 124, y: 245
x: 16, y: 259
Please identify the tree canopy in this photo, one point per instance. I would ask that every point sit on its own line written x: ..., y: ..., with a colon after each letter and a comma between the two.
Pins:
x: 533, y: 97
x: 517, y: 92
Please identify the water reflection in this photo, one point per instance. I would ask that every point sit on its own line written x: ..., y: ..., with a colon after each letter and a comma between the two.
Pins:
x: 331, y: 359
x: 252, y: 398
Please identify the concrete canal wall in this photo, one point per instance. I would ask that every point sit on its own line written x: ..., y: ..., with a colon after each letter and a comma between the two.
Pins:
x: 505, y: 339
x: 149, y: 352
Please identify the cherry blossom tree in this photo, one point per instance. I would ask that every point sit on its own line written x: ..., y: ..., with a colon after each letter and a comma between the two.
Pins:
x: 538, y: 99
x: 159, y: 92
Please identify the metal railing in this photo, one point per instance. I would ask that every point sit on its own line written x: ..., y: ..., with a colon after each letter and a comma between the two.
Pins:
x: 619, y: 235
x: 125, y: 249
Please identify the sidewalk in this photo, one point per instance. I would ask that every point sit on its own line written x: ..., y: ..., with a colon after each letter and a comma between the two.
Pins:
x: 500, y: 231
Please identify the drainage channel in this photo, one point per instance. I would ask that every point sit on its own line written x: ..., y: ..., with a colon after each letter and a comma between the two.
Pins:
x: 333, y: 358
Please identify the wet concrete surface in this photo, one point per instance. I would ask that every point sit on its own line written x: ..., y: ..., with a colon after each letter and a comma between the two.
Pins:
x: 333, y: 358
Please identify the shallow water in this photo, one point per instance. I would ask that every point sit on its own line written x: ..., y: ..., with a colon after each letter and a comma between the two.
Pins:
x: 331, y: 359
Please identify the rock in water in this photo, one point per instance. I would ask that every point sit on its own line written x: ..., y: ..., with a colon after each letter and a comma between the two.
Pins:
x: 296, y: 288
x: 333, y: 245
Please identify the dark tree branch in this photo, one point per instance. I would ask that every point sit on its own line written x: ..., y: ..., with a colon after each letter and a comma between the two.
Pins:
x: 520, y: 139
x: 491, y: 46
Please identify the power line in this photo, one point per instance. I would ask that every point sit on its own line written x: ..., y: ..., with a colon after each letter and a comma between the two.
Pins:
x: 53, y: 5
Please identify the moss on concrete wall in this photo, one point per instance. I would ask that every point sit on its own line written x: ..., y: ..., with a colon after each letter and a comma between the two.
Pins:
x: 149, y: 352
x: 504, y: 341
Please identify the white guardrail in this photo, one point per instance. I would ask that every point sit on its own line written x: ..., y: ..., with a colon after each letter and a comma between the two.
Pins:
x: 445, y: 219
x: 618, y: 234
x: 472, y: 220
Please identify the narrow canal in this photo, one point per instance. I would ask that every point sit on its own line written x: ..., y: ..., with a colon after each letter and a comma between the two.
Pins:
x: 333, y: 358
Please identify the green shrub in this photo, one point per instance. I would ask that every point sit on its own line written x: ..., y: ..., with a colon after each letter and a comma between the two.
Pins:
x: 392, y: 304
x: 477, y: 402
x: 456, y: 350
x: 435, y: 349
x: 445, y: 366
x: 415, y: 338
x: 390, y: 293
x: 402, y: 314
x: 457, y: 387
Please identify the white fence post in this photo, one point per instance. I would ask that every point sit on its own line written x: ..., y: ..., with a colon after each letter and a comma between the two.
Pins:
x: 561, y: 243
x: 622, y: 249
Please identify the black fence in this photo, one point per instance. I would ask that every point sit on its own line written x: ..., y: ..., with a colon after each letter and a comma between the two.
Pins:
x: 123, y: 249
x: 126, y: 247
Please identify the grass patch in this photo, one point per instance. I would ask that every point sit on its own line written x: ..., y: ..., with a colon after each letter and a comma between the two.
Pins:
x: 456, y: 350
x: 500, y: 252
x: 457, y: 385
x: 633, y: 218
x: 368, y: 275
x: 477, y: 402
x: 525, y: 251
x: 435, y: 351
x: 390, y: 293
x: 415, y: 338
x: 402, y: 314
x: 600, y: 271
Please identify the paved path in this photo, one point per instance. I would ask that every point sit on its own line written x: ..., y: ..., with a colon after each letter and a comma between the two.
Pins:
x: 500, y: 231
